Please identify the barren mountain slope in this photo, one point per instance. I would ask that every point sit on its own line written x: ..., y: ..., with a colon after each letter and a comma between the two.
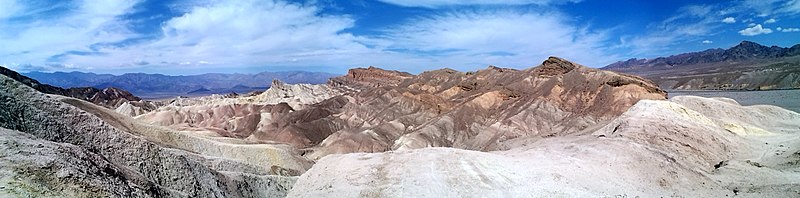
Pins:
x: 684, y: 147
x: 747, y: 66
x: 476, y: 110
x: 482, y: 110
x: 237, y: 117
x: 159, y: 161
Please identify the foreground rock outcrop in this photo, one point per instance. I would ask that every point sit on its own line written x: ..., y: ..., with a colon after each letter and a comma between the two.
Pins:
x: 137, y: 159
x: 685, y: 147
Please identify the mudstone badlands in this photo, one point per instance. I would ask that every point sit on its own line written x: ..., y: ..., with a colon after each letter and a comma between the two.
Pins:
x: 558, y: 129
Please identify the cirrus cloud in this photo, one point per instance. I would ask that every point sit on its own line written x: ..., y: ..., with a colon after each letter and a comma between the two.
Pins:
x: 507, y: 38
x: 445, y: 3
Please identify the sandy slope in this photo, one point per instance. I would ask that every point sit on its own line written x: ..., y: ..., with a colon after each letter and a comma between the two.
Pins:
x: 684, y: 147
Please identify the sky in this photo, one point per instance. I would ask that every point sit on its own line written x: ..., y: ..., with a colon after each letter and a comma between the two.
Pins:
x: 247, y: 36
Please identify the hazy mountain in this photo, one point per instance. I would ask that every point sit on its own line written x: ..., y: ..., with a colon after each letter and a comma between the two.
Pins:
x: 158, y: 85
x: 110, y: 97
x: 748, y: 66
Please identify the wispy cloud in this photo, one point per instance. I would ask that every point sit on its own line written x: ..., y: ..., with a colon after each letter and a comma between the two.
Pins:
x: 755, y: 30
x: 501, y: 37
x: 33, y: 41
x: 9, y: 8
x: 788, y: 29
x: 686, y: 25
x: 220, y: 34
x: 446, y: 3
x: 250, y: 33
x: 764, y: 8
x: 84, y: 34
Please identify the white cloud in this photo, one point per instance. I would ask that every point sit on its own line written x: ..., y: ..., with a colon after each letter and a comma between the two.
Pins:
x: 231, y: 29
x: 256, y: 33
x: 707, y: 42
x: 751, y: 25
x: 276, y: 34
x: 789, y: 30
x: 768, y: 21
x: 85, y: 23
x: 242, y: 34
x: 502, y: 38
x: 755, y: 30
x: 729, y: 20
x: 444, y: 3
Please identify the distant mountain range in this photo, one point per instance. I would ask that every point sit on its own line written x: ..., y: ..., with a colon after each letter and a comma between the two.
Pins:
x: 109, y: 97
x: 158, y: 85
x: 746, y: 66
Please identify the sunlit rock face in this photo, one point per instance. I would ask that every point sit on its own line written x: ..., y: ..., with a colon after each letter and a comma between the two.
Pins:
x: 374, y: 110
x: 491, y: 109
x: 686, y: 146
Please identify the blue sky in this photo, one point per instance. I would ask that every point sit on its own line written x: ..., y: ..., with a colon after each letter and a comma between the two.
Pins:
x: 200, y: 36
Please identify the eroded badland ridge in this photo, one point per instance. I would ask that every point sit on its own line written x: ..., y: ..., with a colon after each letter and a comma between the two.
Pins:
x: 557, y: 129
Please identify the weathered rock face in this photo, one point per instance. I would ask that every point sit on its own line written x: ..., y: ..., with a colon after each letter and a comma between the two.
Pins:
x: 684, y: 147
x: 150, y: 161
x: 484, y: 110
x: 370, y: 77
x: 38, y: 168
x: 258, y: 117
x: 111, y: 97
x: 135, y: 108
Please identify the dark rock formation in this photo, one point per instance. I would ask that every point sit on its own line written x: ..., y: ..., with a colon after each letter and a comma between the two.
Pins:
x: 370, y: 77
